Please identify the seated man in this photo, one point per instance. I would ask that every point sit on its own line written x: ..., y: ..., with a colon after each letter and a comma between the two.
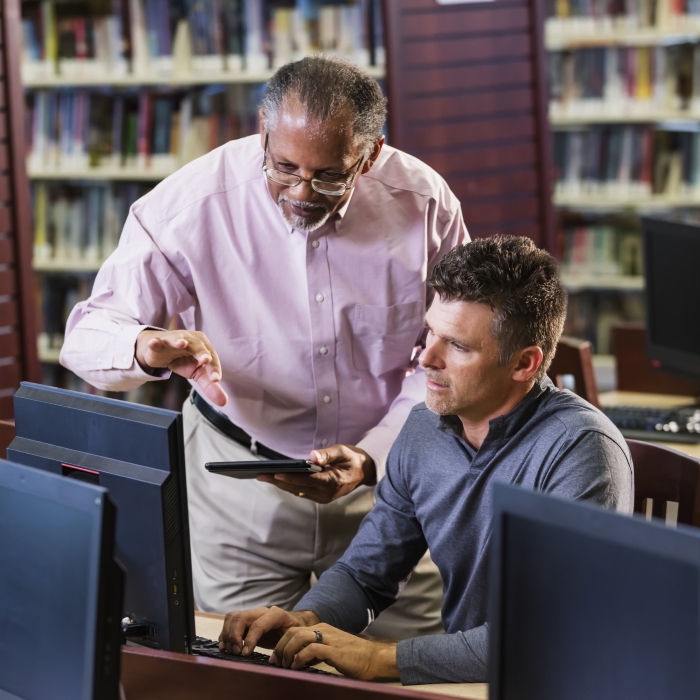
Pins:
x: 491, y: 414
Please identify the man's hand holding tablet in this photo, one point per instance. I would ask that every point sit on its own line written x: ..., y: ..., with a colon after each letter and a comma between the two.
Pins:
x: 345, y: 467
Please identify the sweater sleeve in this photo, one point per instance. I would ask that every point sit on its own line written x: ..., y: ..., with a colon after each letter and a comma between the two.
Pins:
x: 444, y: 658
x: 373, y: 571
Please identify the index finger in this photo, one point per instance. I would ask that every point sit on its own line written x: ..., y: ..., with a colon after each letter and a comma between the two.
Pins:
x: 235, y: 626
x: 273, y: 619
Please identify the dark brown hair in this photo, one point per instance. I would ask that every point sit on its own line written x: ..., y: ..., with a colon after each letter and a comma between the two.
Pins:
x: 515, y: 279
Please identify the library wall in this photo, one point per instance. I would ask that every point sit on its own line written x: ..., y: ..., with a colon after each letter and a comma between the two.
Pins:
x: 467, y: 95
x: 18, y: 355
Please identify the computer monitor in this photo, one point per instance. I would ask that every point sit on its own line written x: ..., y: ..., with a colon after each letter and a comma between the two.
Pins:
x: 137, y: 453
x: 60, y: 588
x: 586, y: 603
x: 671, y: 269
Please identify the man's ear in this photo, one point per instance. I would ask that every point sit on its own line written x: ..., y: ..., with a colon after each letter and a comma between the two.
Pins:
x: 376, y: 150
x: 261, y: 119
x: 528, y: 362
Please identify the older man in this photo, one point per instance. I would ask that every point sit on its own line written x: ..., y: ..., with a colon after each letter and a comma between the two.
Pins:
x: 490, y: 415
x: 297, y: 262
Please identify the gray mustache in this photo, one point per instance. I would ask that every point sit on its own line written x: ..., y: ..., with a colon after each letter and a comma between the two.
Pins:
x: 303, y: 205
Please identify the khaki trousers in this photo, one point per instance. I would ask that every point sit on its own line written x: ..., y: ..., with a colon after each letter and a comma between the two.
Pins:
x: 255, y: 545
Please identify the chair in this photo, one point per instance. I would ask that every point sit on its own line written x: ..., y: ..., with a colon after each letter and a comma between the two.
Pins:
x: 662, y: 474
x: 7, y: 435
x: 574, y: 357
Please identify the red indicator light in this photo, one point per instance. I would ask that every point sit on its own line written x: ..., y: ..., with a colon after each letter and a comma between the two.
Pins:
x: 656, y: 363
x: 80, y: 469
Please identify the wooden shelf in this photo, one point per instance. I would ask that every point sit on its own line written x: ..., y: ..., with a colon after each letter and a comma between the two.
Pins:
x: 176, y: 80
x: 54, y: 265
x: 132, y: 173
x: 559, y: 117
x: 575, y: 282
x: 582, y: 33
x: 640, y: 203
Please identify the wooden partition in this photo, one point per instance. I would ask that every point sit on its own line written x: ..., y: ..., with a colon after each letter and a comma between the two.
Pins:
x: 467, y: 95
x: 147, y: 674
x: 18, y: 349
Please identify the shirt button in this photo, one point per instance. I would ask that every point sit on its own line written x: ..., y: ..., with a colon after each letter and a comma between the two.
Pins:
x: 326, y: 399
x: 324, y: 442
x: 319, y: 297
x: 323, y: 350
x: 314, y: 244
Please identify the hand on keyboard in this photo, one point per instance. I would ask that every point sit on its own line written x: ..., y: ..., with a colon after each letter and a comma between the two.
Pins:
x: 245, y: 629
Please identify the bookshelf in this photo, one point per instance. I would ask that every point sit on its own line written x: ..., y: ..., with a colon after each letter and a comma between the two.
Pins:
x: 625, y: 113
x: 121, y: 95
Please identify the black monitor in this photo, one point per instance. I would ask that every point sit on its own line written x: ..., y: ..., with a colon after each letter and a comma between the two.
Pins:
x: 671, y: 255
x: 137, y: 453
x: 60, y: 589
x: 586, y: 603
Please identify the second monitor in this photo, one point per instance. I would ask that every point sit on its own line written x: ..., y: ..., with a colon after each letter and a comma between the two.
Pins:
x: 137, y: 453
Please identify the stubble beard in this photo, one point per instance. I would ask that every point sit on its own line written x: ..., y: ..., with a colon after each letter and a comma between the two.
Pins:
x: 302, y: 223
x: 441, y: 403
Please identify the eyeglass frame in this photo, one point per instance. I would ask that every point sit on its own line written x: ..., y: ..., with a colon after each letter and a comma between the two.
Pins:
x: 346, y: 185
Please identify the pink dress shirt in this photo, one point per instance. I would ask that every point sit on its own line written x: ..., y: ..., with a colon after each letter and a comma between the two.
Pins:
x: 315, y: 331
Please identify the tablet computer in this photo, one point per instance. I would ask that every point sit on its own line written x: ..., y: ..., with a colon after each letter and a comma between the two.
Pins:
x: 249, y: 470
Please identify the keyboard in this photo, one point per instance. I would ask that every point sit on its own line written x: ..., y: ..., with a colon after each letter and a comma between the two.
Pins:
x: 679, y: 425
x: 210, y: 649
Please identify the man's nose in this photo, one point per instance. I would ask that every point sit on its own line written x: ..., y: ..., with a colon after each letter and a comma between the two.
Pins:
x: 303, y: 190
x: 430, y: 357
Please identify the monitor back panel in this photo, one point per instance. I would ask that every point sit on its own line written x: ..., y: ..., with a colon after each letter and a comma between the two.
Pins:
x: 584, y: 614
x: 58, y: 628
x: 136, y: 453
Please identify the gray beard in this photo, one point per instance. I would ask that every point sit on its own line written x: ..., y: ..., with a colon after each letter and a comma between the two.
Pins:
x: 299, y: 222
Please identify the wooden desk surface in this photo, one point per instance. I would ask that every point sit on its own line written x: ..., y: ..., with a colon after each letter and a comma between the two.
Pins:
x: 209, y: 626
x: 634, y: 398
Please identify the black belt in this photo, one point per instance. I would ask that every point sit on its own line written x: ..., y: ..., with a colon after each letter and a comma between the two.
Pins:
x: 224, y: 425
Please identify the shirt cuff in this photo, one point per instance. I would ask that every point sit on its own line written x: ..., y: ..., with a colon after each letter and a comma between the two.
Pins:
x: 124, y: 357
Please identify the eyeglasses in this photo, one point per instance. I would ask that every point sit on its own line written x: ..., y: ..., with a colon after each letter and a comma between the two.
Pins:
x: 330, y: 187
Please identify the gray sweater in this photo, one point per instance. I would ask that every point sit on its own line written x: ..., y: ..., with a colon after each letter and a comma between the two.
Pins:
x: 437, y: 494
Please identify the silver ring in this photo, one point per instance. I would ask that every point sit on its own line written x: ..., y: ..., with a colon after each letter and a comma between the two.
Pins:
x: 319, y: 637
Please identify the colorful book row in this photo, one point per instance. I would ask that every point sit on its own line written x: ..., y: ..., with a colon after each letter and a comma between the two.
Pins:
x: 162, y: 38
x: 156, y: 129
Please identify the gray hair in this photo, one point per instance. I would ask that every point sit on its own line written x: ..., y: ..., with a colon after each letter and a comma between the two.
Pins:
x: 326, y: 86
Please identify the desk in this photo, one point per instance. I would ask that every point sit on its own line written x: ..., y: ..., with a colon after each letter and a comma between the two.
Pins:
x: 634, y: 398
x: 209, y: 626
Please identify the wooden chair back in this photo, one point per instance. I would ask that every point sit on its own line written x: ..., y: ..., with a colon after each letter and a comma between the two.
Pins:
x: 664, y: 475
x: 574, y: 357
x: 7, y: 435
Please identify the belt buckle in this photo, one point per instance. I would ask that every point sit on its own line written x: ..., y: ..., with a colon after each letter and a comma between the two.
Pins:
x: 253, y: 446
